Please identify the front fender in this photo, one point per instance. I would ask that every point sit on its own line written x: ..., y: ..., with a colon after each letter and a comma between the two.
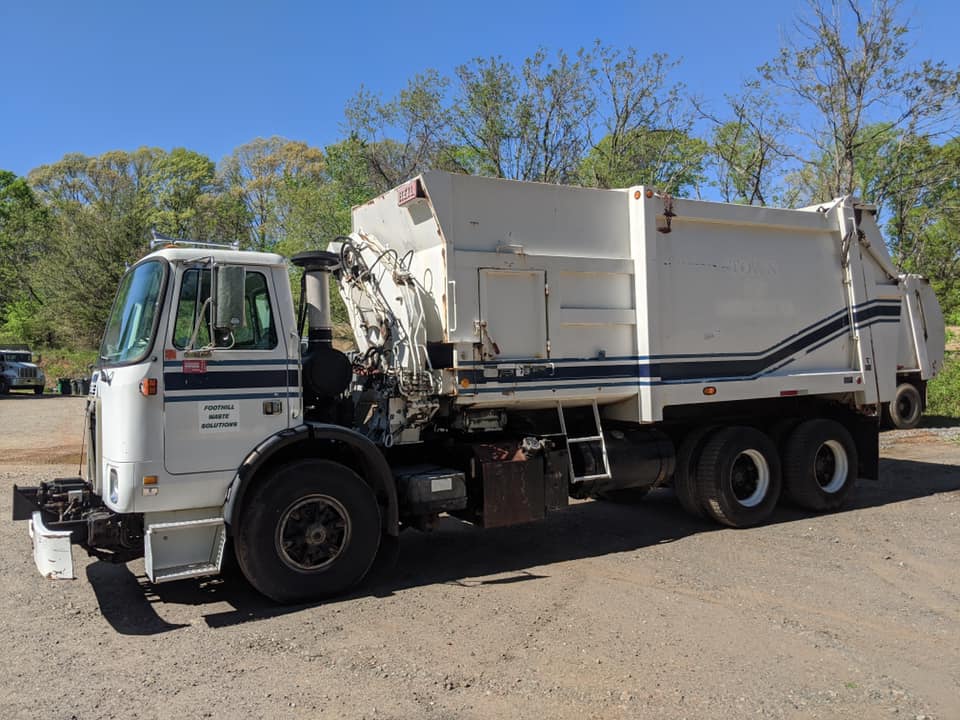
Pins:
x: 314, y: 440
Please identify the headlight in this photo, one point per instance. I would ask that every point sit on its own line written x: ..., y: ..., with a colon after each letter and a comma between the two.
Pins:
x: 113, y: 486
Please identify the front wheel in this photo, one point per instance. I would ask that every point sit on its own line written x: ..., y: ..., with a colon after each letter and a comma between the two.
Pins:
x: 38, y: 390
x: 820, y: 465
x: 4, y: 388
x: 310, y: 530
x: 738, y: 476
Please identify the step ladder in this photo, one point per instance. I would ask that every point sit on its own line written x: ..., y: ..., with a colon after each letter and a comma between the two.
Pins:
x: 598, y: 438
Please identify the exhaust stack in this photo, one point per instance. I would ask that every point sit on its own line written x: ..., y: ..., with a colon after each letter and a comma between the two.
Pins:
x: 326, y: 370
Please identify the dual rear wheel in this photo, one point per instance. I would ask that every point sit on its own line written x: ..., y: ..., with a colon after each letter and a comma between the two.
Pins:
x: 736, y: 474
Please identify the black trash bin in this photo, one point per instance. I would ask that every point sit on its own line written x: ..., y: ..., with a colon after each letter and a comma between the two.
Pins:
x: 74, y: 386
x: 83, y: 386
x: 63, y: 386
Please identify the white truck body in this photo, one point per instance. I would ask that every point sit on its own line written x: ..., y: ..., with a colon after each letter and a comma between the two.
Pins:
x: 562, y: 294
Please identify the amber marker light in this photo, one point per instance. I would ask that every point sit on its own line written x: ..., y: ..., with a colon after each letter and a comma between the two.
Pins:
x: 149, y: 479
x: 636, y: 195
x: 464, y: 382
x: 649, y: 194
x: 148, y: 386
x: 710, y: 390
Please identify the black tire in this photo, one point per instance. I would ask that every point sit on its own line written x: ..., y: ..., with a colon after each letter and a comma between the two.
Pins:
x: 38, y: 390
x: 4, y: 388
x: 738, y: 476
x: 781, y: 430
x: 624, y: 496
x: 685, y: 474
x: 820, y: 465
x: 907, y: 407
x: 310, y: 530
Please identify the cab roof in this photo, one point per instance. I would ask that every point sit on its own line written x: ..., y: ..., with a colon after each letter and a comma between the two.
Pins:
x: 227, y: 257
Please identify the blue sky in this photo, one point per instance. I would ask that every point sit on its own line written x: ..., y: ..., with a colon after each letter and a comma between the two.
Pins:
x: 95, y: 76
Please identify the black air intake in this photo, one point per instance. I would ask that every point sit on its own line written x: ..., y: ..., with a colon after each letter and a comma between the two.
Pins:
x: 326, y: 371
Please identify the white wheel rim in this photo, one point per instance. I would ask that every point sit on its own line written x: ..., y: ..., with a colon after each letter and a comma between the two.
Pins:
x: 755, y: 487
x: 832, y: 482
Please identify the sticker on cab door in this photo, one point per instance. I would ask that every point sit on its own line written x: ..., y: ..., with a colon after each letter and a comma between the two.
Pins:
x: 219, y: 416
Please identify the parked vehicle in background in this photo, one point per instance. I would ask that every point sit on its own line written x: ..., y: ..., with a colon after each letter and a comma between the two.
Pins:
x: 18, y: 371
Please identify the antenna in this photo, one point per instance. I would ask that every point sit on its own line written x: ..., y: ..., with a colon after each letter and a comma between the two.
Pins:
x: 159, y: 239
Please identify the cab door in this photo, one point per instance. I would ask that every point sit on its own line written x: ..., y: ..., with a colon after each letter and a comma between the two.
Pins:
x: 223, y: 400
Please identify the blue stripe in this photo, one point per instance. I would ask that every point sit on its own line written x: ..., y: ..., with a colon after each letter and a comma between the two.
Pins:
x: 692, y: 372
x: 892, y: 306
x: 227, y: 363
x: 230, y: 379
x: 196, y: 397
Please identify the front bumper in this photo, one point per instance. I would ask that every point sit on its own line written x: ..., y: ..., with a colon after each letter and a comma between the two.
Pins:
x: 26, y: 383
x: 52, y: 549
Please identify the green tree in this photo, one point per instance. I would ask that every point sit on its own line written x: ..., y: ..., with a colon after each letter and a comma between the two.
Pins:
x: 526, y: 124
x: 177, y: 182
x: 748, y: 149
x: 402, y: 136
x: 669, y: 160
x: 643, y: 122
x: 23, y: 240
x: 848, y: 68
x: 101, y: 211
x: 254, y: 174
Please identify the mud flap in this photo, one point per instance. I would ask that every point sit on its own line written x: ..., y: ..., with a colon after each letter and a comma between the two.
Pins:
x: 52, y: 551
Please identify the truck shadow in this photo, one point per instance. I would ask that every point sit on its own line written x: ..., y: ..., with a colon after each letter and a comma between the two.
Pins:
x: 458, y: 553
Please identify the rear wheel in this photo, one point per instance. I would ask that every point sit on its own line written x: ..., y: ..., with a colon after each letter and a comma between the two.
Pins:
x: 685, y: 474
x: 820, y: 465
x: 738, y: 476
x: 907, y: 407
x: 310, y: 530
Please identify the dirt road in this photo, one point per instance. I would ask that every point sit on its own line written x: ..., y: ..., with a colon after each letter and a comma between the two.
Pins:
x: 602, y: 611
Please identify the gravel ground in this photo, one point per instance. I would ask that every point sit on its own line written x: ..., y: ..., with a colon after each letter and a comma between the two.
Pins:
x: 601, y: 611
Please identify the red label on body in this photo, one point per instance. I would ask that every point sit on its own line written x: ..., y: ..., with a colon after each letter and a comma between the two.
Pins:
x: 194, y: 366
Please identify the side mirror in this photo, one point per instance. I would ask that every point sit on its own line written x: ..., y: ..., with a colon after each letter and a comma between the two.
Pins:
x: 229, y: 288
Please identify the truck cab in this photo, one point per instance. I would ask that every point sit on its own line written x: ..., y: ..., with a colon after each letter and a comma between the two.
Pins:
x: 180, y: 399
x: 18, y: 371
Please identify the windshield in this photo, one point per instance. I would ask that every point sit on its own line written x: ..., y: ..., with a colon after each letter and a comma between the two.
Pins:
x: 130, y: 329
x: 16, y: 357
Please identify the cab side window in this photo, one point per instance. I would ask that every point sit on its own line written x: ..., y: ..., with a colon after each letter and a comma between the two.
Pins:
x: 193, y: 314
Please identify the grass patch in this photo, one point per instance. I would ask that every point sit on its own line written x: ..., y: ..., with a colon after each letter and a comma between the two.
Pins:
x: 943, y: 392
x: 63, y: 363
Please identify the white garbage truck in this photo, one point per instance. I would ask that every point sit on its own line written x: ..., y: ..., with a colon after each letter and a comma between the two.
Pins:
x: 517, y: 345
